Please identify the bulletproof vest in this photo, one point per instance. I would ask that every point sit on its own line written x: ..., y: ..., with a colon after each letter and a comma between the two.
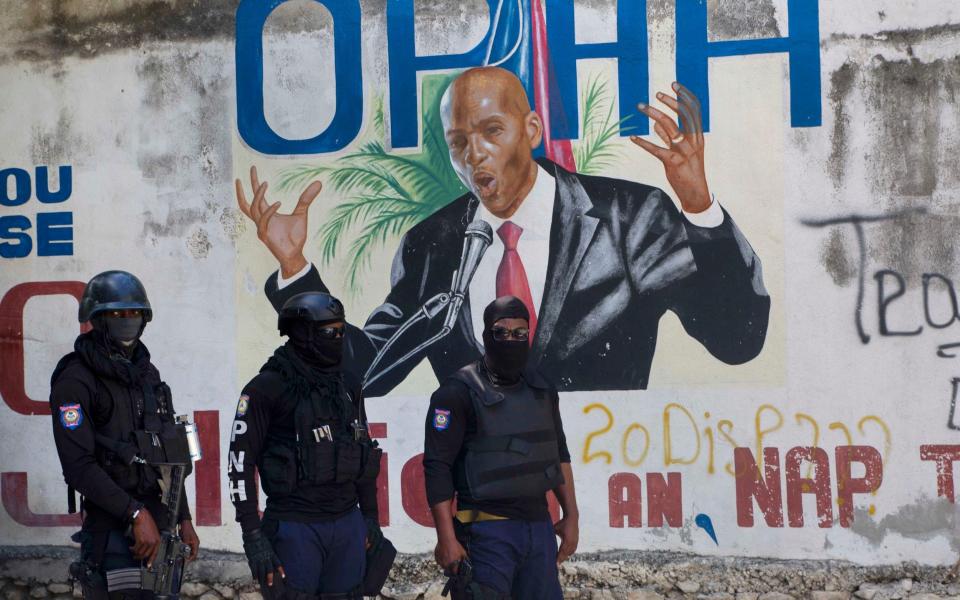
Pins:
x: 138, y: 432
x: 328, y: 449
x: 515, y: 452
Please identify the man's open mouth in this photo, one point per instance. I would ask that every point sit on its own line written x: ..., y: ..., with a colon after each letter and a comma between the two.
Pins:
x: 485, y: 183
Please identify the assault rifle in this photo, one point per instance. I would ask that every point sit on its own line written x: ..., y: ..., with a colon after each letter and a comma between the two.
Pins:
x: 165, y: 574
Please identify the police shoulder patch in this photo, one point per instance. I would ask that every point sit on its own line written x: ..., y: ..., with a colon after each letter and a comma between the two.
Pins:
x: 71, y: 416
x: 242, y: 405
x: 441, y: 419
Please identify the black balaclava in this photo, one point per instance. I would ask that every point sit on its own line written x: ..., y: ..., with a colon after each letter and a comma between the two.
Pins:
x: 122, y: 332
x: 505, y: 360
x: 316, y: 351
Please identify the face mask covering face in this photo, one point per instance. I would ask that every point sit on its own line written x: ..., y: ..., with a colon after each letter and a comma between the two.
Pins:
x: 505, y: 359
x: 124, y: 330
x: 314, y: 347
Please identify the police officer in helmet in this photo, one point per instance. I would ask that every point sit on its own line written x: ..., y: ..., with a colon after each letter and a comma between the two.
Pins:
x: 494, y: 439
x: 112, y: 417
x: 301, y: 423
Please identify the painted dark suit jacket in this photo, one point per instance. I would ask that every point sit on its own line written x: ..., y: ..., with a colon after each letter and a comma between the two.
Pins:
x: 621, y: 255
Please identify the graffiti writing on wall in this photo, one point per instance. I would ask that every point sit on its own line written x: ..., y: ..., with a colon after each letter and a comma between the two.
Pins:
x: 698, y: 442
x: 936, y: 309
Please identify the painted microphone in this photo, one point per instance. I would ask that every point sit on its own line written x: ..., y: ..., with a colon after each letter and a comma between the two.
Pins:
x: 478, y: 237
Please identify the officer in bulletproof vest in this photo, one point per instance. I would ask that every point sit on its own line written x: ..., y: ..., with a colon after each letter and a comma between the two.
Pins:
x: 113, y: 418
x: 302, y: 425
x: 494, y: 439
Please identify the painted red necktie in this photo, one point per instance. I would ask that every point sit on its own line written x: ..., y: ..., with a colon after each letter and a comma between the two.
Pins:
x: 511, y: 276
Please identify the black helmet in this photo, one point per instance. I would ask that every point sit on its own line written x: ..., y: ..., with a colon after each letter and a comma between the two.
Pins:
x: 114, y: 290
x: 315, y: 307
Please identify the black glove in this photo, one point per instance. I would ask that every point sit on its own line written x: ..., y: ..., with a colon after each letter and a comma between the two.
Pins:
x: 260, y: 556
x: 374, y: 534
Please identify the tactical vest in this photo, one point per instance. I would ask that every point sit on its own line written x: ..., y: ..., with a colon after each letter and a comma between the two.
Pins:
x: 327, y: 450
x: 515, y: 452
x: 139, y: 431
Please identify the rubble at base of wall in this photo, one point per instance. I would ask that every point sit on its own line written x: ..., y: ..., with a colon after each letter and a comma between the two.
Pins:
x: 40, y: 573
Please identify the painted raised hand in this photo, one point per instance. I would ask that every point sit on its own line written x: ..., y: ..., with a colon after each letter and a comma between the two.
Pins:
x: 284, y: 235
x: 682, y: 157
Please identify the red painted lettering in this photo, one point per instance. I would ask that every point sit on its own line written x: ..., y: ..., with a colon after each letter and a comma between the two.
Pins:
x: 625, y: 500
x: 798, y: 485
x: 379, y: 431
x: 847, y: 485
x: 413, y: 492
x: 207, y: 470
x: 664, y: 500
x: 11, y: 341
x: 13, y: 492
x: 944, y: 457
x: 750, y: 486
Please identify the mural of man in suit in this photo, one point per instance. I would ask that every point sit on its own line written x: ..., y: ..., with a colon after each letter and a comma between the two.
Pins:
x: 597, y: 260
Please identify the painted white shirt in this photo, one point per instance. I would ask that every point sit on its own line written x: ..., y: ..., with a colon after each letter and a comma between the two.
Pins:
x: 534, y: 216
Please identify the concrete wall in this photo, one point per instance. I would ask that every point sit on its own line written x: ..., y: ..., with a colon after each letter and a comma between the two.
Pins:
x: 850, y: 208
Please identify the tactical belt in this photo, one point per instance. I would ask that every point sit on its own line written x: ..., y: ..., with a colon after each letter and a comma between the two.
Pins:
x: 476, y: 516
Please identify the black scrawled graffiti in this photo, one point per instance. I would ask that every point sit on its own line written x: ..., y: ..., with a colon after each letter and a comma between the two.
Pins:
x: 891, y: 286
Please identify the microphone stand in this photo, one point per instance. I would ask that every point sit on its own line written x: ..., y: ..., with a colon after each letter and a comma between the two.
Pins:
x: 430, y: 309
x: 479, y: 234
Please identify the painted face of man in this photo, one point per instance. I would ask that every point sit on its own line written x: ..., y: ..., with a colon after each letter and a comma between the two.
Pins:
x: 490, y: 132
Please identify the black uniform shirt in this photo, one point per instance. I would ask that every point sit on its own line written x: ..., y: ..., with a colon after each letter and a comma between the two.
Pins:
x: 77, y: 411
x: 266, y: 406
x: 444, y: 450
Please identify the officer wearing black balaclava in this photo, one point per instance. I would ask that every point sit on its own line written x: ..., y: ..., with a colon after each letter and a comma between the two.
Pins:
x: 111, y: 412
x: 301, y: 424
x: 494, y: 439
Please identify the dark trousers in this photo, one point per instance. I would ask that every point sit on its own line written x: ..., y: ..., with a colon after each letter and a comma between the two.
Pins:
x: 515, y: 557
x: 116, y: 572
x: 329, y: 556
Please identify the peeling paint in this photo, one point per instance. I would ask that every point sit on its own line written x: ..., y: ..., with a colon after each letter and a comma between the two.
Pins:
x: 199, y: 243
x: 907, y: 99
x: 193, y: 87
x: 837, y: 258
x: 56, y: 29
x: 916, y: 244
x: 686, y: 532
x: 841, y: 84
x: 923, y: 520
x: 74, y: 28
x: 234, y: 223
x: 175, y: 224
x: 57, y: 144
x: 906, y: 35
x: 742, y: 19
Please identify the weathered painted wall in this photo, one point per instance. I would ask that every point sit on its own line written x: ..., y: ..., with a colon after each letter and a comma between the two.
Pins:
x: 852, y: 215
